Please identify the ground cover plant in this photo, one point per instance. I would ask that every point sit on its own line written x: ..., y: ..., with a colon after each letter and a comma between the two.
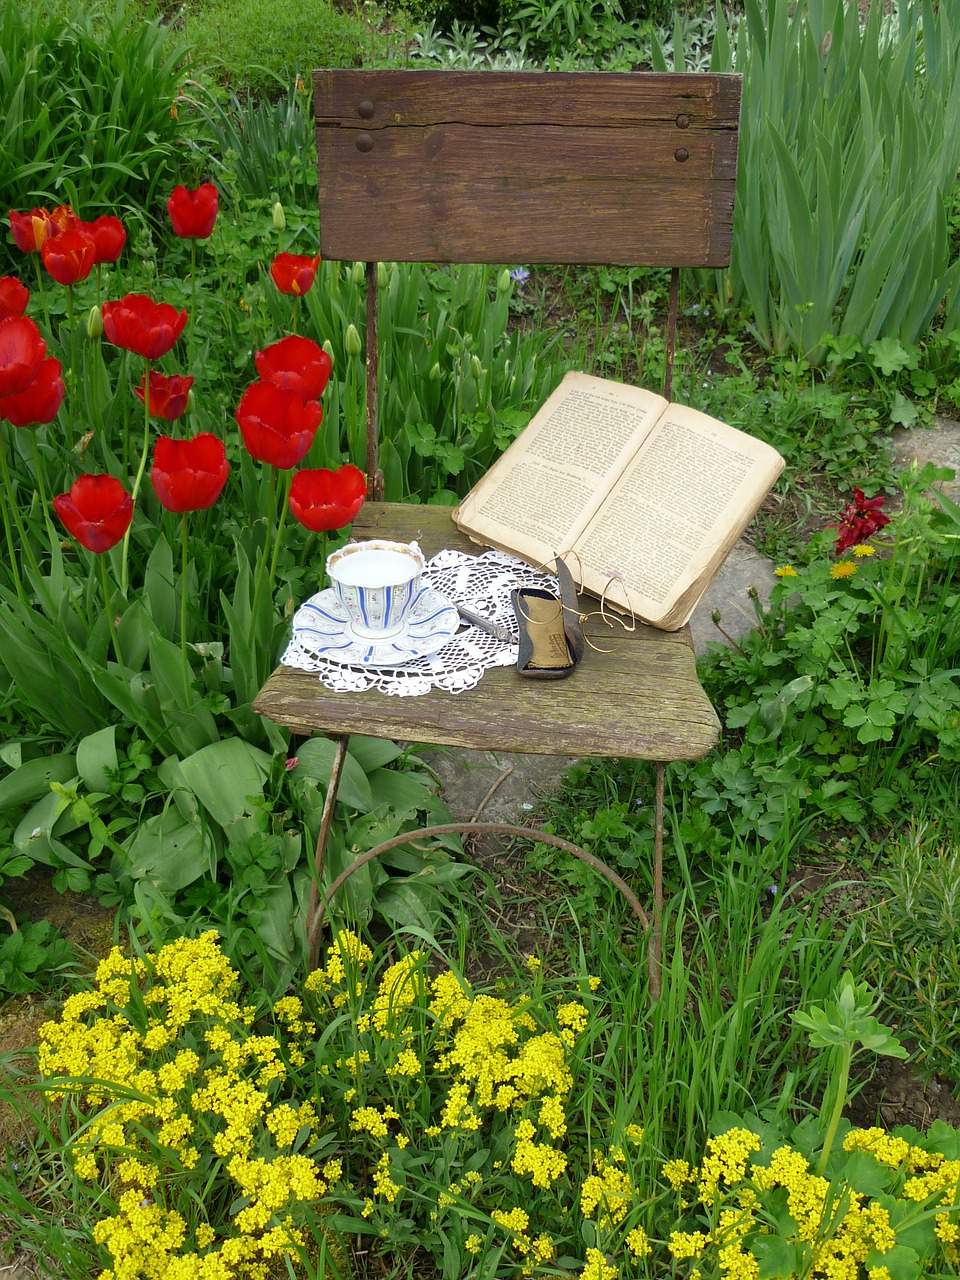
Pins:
x: 208, y: 1108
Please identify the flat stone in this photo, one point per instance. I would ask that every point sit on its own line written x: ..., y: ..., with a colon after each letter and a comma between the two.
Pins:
x: 939, y: 444
x: 743, y: 570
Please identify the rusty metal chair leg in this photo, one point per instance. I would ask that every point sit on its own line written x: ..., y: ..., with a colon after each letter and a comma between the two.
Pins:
x: 525, y: 833
x: 320, y: 853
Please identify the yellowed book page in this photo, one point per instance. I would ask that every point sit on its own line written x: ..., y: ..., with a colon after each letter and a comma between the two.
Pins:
x: 659, y: 539
x: 540, y: 495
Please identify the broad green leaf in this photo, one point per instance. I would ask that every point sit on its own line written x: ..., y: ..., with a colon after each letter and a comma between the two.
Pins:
x: 776, y: 1257
x: 32, y: 780
x: 97, y: 761
x: 315, y: 759
x: 169, y: 851
x: 373, y: 753
x: 224, y: 775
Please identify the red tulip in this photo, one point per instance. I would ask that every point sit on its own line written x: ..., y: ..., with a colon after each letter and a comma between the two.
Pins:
x: 139, y: 324
x: 96, y: 510
x: 297, y: 364
x: 323, y: 500
x: 293, y: 273
x: 14, y: 297
x: 109, y: 236
x: 40, y: 400
x: 193, y: 213
x: 189, y: 475
x: 21, y: 350
x: 68, y: 255
x: 168, y: 395
x: 277, y: 425
x: 29, y: 230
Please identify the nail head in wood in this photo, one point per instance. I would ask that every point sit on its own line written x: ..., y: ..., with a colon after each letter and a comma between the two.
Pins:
x: 366, y: 110
x: 683, y: 122
x: 680, y: 154
x: 365, y: 142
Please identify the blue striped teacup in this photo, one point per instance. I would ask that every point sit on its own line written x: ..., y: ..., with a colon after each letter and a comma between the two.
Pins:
x: 377, y: 583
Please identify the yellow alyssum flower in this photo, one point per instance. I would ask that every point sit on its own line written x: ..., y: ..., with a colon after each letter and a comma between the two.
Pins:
x: 725, y: 1161
x: 516, y: 1220
x: 678, y: 1173
x: 370, y: 1120
x: 608, y: 1195
x: 638, y: 1242
x: 473, y: 1244
x: 597, y: 1267
x: 687, y: 1244
x: 543, y: 1164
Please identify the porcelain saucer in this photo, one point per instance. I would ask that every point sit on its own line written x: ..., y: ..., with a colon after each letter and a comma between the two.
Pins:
x: 431, y: 623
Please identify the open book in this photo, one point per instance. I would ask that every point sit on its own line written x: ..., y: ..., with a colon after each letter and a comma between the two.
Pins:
x: 650, y: 496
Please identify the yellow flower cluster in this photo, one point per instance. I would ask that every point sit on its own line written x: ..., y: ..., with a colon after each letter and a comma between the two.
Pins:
x: 182, y: 1084
x: 608, y: 1194
x: 843, y: 1234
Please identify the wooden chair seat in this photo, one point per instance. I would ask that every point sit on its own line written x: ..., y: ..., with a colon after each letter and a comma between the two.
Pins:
x: 639, y: 698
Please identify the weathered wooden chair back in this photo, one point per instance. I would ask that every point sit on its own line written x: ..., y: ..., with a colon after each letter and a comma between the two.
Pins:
x: 636, y: 169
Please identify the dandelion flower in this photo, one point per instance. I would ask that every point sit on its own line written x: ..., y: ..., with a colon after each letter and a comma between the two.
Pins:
x: 863, y: 549
x: 843, y: 569
x: 785, y: 571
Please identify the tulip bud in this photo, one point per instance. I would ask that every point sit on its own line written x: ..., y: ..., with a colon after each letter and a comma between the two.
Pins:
x: 476, y: 368
x: 434, y: 374
x: 383, y: 276
x: 279, y: 221
x: 328, y: 348
x: 358, y: 273
x: 503, y: 283
x: 351, y: 341
x: 190, y: 400
x: 95, y: 323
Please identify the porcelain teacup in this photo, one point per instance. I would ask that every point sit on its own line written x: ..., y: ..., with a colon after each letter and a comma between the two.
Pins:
x: 377, y: 583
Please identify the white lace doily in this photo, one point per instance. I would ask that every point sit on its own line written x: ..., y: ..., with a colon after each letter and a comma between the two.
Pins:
x: 480, y: 583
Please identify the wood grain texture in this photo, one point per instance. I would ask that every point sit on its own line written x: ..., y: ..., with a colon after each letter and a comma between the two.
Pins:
x: 641, y: 699
x: 530, y: 167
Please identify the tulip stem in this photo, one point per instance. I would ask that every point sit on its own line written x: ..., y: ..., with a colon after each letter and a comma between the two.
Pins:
x: 38, y: 467
x: 284, y: 503
x: 8, y: 532
x: 193, y: 302
x: 74, y: 377
x: 138, y: 480
x: 261, y: 567
x: 184, y: 563
x: 109, y: 608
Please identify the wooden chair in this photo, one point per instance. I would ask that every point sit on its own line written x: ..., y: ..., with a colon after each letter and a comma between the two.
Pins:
x: 449, y: 166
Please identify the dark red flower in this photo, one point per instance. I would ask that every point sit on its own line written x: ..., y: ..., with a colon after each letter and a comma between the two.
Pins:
x: 40, y: 400
x: 29, y: 230
x: 14, y: 296
x: 68, y: 255
x: 323, y: 499
x: 193, y: 213
x: 139, y: 324
x: 189, y: 475
x: 109, y: 236
x: 21, y: 350
x: 277, y: 425
x: 168, y: 395
x: 96, y: 510
x: 293, y: 273
x: 859, y: 520
x: 297, y: 364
